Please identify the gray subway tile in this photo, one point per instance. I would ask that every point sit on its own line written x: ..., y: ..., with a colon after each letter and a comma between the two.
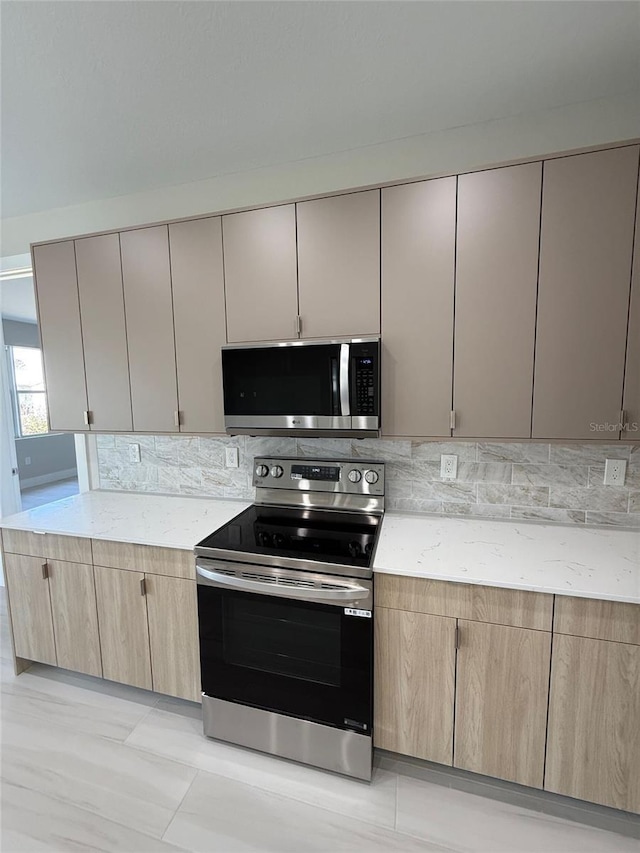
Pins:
x: 387, y: 450
x: 445, y: 491
x: 617, y: 519
x: 596, y: 498
x: 513, y: 495
x: 430, y: 451
x: 476, y: 510
x: 543, y: 513
x: 414, y: 505
x: 550, y: 475
x: 484, y: 472
x: 634, y: 501
x: 513, y: 452
x: 587, y: 454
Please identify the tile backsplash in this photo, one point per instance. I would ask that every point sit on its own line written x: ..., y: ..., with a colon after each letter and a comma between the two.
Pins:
x: 544, y: 482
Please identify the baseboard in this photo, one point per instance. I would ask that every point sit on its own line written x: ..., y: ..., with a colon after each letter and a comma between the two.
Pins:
x: 555, y: 805
x: 43, y: 479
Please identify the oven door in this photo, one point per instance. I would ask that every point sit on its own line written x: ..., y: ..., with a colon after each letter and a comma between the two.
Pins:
x: 293, y: 643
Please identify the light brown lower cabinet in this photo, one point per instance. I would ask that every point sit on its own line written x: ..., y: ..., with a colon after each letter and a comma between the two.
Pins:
x: 53, y: 605
x: 502, y: 692
x: 124, y: 635
x: 415, y: 659
x: 149, y: 631
x: 31, y: 608
x: 172, y: 606
x: 593, y: 749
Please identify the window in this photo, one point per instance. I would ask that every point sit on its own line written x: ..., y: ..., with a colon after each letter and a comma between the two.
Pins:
x: 28, y: 391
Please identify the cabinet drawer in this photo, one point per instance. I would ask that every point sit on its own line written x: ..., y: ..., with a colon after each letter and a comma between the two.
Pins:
x: 517, y: 608
x: 144, y: 558
x: 600, y: 620
x: 73, y: 549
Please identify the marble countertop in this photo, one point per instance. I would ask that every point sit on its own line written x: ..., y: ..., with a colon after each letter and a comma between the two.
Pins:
x: 568, y: 560
x: 589, y: 562
x: 168, y: 521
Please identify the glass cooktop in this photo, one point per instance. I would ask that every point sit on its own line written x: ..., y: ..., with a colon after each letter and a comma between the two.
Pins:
x: 344, y: 538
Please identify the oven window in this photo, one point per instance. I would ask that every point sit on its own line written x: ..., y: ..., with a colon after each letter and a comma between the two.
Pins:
x: 278, y: 638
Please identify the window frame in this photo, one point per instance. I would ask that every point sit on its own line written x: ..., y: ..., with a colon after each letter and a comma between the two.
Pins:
x: 15, y: 392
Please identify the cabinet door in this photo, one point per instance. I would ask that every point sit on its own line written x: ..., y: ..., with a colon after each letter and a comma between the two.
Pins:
x: 149, y: 315
x: 414, y: 684
x: 498, y: 236
x: 588, y: 207
x: 122, y: 620
x: 593, y: 748
x: 75, y: 617
x: 30, y: 608
x: 261, y: 280
x: 502, y: 691
x: 173, y: 634
x: 59, y: 319
x: 103, y: 332
x: 631, y: 403
x: 197, y: 281
x: 339, y: 265
x: 418, y: 262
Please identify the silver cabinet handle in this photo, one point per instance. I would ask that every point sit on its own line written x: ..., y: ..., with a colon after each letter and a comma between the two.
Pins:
x: 176, y: 418
x: 344, y: 380
x: 349, y: 593
x: 45, y: 571
x: 143, y: 587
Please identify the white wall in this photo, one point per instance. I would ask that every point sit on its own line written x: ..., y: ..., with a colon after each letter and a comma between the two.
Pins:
x: 580, y: 125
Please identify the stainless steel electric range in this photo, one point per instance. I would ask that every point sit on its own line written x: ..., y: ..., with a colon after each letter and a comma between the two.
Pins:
x: 285, y: 608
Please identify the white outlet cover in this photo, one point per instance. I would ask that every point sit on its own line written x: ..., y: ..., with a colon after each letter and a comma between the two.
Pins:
x: 614, y: 472
x: 231, y: 457
x: 448, y: 467
x: 134, y: 453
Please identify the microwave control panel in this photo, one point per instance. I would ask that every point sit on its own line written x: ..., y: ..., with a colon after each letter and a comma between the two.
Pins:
x: 365, y: 375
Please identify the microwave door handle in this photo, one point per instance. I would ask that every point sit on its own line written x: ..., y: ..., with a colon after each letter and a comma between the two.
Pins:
x: 344, y: 379
x: 335, y: 387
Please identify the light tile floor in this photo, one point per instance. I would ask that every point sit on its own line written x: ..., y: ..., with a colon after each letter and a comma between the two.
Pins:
x: 90, y: 765
x: 39, y: 495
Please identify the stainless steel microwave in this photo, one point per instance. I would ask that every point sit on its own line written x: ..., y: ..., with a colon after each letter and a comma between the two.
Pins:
x: 307, y: 388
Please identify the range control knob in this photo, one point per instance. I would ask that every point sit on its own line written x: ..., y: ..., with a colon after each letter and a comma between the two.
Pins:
x: 261, y: 470
x: 354, y: 475
x: 371, y: 477
x: 277, y: 471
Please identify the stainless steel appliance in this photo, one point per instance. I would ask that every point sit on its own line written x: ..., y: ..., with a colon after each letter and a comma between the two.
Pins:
x: 285, y: 609
x: 303, y: 388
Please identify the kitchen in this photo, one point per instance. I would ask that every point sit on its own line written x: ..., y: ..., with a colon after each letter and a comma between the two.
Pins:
x: 476, y: 465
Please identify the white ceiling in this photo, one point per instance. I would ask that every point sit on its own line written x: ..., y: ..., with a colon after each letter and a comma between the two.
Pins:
x: 17, y: 299
x: 104, y: 99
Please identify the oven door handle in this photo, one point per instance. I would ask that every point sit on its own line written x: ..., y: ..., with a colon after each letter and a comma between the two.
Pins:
x: 350, y: 592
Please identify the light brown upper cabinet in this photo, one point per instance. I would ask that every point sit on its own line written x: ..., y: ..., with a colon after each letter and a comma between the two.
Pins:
x: 149, y: 314
x: 261, y: 283
x: 418, y: 262
x: 496, y: 281
x: 103, y: 332
x: 588, y: 210
x: 631, y: 403
x: 198, y: 307
x: 339, y: 265
x: 59, y: 319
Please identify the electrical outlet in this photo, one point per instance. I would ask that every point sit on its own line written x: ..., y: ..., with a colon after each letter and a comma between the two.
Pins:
x: 134, y: 453
x: 27, y: 460
x: 231, y: 457
x: 448, y: 467
x: 614, y: 472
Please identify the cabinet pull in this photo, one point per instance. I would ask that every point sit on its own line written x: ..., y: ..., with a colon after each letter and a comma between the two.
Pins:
x: 45, y: 571
x: 298, y: 325
x: 143, y: 587
x: 622, y: 419
x: 176, y: 418
x: 457, y: 638
x: 87, y: 417
x: 452, y: 419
